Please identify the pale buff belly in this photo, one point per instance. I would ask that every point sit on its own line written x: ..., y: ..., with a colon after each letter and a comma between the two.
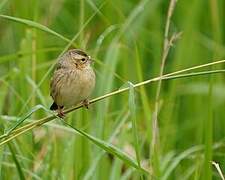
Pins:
x: 77, y: 88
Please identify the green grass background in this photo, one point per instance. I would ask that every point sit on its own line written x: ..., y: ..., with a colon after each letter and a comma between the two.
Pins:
x: 125, y: 37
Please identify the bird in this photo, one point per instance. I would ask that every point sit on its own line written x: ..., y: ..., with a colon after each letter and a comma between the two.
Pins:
x: 73, y: 81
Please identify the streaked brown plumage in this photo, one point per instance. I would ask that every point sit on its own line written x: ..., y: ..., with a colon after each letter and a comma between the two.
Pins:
x: 73, y: 80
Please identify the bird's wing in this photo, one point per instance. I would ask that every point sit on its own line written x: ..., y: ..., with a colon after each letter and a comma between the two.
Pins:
x: 55, y: 82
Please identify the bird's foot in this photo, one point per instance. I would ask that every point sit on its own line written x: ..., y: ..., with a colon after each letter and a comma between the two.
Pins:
x: 61, y: 113
x: 86, y: 103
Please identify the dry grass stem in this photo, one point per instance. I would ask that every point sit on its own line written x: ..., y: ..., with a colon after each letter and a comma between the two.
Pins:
x: 7, y: 137
x: 217, y: 166
x: 166, y: 47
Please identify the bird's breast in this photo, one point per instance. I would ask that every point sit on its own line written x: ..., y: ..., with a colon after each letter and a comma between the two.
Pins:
x: 78, y: 86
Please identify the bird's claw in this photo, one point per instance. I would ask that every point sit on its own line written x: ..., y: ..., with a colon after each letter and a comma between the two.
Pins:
x: 61, y: 113
x: 86, y: 103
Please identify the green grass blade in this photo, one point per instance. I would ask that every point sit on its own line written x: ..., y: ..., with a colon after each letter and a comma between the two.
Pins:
x: 35, y: 25
x: 18, y: 166
x: 208, y: 134
x: 110, y: 149
x: 115, y: 170
x: 44, y: 120
x: 132, y: 107
x: 38, y: 91
x: 22, y: 119
x: 177, y: 160
x: 121, y: 123
x: 2, y: 155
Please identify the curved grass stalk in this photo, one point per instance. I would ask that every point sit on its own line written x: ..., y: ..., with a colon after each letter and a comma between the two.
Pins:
x: 35, y: 25
x: 18, y: 131
x: 49, y: 118
x: 102, y: 144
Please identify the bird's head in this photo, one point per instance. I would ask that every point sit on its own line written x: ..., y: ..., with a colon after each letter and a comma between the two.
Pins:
x: 76, y: 58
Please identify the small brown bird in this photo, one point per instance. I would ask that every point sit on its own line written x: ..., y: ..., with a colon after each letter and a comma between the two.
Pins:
x: 73, y: 80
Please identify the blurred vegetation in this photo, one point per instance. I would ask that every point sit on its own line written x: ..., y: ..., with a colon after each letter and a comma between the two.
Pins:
x: 126, y: 38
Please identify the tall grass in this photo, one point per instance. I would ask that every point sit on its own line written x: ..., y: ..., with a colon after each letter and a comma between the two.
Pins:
x: 168, y: 127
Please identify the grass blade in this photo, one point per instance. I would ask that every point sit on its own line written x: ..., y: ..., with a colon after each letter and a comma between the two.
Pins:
x: 177, y: 160
x: 91, y: 170
x: 22, y: 119
x: 132, y: 107
x: 217, y: 166
x: 30, y: 126
x: 110, y: 149
x: 19, y: 169
x: 35, y: 25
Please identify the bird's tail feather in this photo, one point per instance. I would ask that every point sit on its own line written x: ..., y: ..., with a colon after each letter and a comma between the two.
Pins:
x: 54, y: 106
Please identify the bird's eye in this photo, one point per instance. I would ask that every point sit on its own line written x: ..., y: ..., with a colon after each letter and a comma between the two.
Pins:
x: 83, y: 59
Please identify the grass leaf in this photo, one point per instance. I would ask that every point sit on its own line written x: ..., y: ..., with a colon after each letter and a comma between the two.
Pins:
x: 132, y: 107
x: 18, y: 166
x: 110, y: 149
x: 35, y: 25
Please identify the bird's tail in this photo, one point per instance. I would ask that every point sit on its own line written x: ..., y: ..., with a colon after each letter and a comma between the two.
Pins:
x: 54, y: 106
